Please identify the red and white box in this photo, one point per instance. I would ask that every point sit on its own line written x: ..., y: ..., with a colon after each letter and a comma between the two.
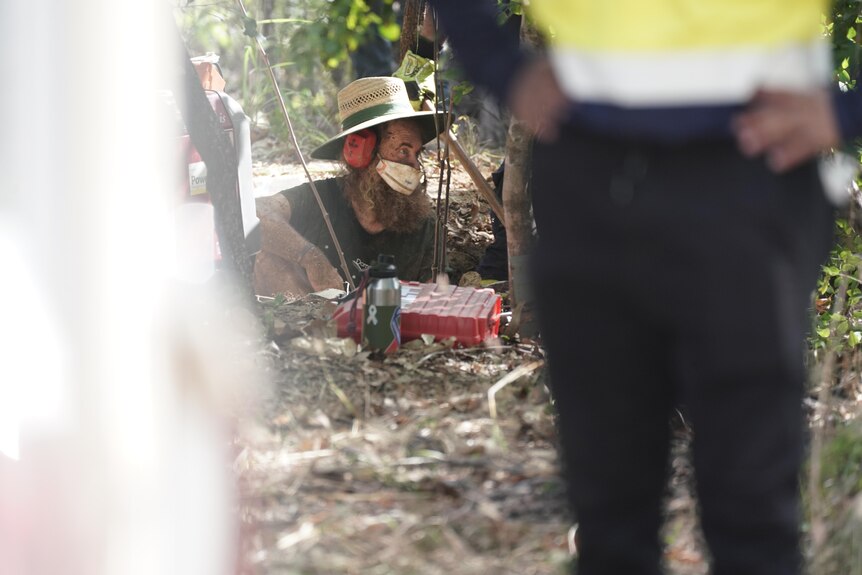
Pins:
x: 470, y: 315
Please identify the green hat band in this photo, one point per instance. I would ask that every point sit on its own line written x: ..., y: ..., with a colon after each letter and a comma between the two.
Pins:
x: 372, y: 113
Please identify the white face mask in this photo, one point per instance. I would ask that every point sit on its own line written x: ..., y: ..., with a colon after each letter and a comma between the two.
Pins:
x: 402, y: 178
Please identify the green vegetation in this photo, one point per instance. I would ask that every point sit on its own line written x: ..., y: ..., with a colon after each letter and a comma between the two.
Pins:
x: 842, y: 461
x: 308, y: 43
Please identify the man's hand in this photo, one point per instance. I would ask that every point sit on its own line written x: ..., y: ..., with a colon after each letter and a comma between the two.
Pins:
x: 537, y: 100
x: 787, y: 127
x: 320, y: 272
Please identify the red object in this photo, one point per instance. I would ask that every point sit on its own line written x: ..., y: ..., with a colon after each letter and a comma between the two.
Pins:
x: 359, y: 148
x: 470, y: 315
x: 192, y: 186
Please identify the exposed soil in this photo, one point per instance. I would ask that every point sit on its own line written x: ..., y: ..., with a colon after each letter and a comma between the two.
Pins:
x: 365, y: 464
x: 362, y: 464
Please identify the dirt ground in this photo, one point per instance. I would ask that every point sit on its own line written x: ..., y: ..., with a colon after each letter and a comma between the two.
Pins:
x: 435, y: 460
x: 407, y: 464
x: 396, y: 464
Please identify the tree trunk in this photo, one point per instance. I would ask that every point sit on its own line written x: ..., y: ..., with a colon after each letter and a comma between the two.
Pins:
x: 519, y: 221
x: 409, y: 27
x: 517, y: 207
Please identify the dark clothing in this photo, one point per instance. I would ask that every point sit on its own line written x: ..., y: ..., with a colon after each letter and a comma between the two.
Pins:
x: 373, y: 57
x: 487, y: 52
x: 492, y: 59
x: 669, y: 275
x: 413, y: 251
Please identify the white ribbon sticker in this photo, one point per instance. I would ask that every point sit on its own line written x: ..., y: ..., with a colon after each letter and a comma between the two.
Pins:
x: 372, y: 314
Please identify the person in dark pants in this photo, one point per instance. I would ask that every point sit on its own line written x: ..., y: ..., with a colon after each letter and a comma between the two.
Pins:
x: 647, y: 321
x: 681, y: 226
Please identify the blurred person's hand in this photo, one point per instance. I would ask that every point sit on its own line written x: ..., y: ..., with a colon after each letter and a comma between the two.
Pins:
x: 787, y: 127
x: 537, y: 100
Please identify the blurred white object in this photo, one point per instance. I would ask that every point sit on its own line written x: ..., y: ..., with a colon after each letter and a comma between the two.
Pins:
x: 34, y: 361
x: 838, y: 171
x: 195, y: 229
x: 121, y: 384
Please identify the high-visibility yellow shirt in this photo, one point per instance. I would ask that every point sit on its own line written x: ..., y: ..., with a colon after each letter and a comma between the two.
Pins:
x: 656, y: 53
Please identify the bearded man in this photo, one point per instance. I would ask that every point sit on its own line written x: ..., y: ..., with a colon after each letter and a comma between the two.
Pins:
x: 377, y: 206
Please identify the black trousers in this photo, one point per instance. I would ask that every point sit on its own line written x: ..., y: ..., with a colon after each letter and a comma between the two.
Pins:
x: 667, y: 275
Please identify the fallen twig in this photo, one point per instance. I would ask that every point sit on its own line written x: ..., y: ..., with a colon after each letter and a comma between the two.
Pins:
x: 514, y: 375
x: 342, y: 397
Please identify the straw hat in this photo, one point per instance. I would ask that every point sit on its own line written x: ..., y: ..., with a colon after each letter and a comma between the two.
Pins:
x: 368, y: 102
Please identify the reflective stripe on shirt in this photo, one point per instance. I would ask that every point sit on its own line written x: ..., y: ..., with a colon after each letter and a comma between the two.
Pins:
x: 695, y: 77
x: 684, y: 52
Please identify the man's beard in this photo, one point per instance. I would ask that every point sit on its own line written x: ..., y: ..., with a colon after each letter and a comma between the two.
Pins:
x: 393, y: 210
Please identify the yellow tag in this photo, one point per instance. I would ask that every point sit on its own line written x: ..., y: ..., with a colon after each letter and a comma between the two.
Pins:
x: 418, y: 74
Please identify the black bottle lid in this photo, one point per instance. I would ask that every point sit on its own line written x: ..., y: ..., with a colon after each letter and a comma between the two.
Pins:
x: 384, y: 267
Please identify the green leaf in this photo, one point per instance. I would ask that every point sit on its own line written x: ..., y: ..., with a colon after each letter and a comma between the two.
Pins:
x: 824, y: 332
x: 391, y: 31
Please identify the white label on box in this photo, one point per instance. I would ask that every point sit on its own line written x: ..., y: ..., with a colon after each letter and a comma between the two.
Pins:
x: 197, y: 178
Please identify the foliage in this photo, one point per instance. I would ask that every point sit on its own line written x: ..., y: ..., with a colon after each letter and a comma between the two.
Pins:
x: 844, y: 262
x: 841, y: 492
x: 844, y: 29
x: 269, y: 310
x: 342, y: 27
x: 842, y: 460
x: 308, y: 43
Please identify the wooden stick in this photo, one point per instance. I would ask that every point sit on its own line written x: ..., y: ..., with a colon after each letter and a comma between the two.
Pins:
x: 513, y: 375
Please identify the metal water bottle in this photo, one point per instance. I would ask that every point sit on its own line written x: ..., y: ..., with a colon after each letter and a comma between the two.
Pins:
x: 381, y: 311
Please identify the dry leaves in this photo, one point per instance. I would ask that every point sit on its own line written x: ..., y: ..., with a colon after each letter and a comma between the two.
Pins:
x: 393, y: 465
